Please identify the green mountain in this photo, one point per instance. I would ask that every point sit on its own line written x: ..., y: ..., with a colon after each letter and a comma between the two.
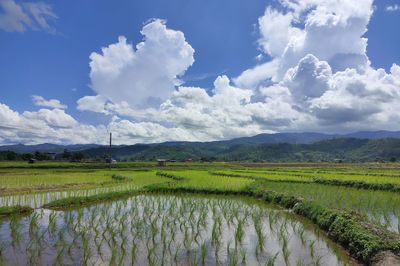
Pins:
x: 306, y: 146
x: 347, y: 149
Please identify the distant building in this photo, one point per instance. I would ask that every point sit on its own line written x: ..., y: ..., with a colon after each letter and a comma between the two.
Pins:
x: 338, y: 161
x: 162, y: 162
x: 108, y: 160
x: 31, y: 160
x: 52, y: 155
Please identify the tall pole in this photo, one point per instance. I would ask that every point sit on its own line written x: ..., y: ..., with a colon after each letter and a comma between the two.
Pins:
x: 110, y: 158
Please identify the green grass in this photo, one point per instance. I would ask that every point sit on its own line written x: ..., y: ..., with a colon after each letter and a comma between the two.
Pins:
x: 41, y: 177
x: 73, y: 202
x: 15, y: 210
x: 36, y: 198
x: 202, y: 179
x: 361, y: 173
x: 381, y: 207
x: 18, y: 180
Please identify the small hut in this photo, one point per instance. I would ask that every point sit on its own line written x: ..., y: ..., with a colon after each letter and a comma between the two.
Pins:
x: 162, y: 162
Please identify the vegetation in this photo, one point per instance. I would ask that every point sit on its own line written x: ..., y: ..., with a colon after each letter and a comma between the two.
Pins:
x: 356, y: 205
x: 15, y: 210
x: 120, y: 177
x: 347, y: 149
x: 284, y: 149
x: 72, y: 202
x: 168, y: 230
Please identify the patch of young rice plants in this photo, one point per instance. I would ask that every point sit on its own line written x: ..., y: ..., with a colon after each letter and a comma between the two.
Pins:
x: 203, y: 179
x: 167, y: 230
x: 21, y: 178
x: 381, y: 207
x: 36, y: 200
x: 361, y: 173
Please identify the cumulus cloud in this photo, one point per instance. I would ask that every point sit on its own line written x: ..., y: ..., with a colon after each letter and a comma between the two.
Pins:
x: 330, y: 30
x: 319, y: 60
x: 142, y: 76
x: 26, y: 15
x: 53, y: 118
x: 56, y: 126
x: 44, y: 125
x: 392, y: 8
x: 52, y: 103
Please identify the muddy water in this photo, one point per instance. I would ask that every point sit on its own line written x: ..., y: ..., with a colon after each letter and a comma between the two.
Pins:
x: 167, y: 230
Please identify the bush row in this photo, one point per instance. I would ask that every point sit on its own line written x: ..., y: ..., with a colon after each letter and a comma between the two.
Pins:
x: 120, y: 177
x: 257, y: 177
x: 358, y: 184
x: 15, y: 210
x: 323, y: 181
x: 73, y: 202
x: 175, y: 177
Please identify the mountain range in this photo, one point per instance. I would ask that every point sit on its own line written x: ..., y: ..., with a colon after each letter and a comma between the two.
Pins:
x: 305, y: 146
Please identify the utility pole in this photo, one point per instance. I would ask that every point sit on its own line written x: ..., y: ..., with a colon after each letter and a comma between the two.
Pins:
x: 110, y: 158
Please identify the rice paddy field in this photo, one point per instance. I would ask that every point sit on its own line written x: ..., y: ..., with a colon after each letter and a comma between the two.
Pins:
x: 142, y: 214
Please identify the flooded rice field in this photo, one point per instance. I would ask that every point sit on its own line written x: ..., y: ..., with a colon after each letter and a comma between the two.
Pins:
x: 36, y: 200
x: 168, y: 230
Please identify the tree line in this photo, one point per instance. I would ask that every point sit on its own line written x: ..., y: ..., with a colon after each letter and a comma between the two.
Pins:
x: 66, y: 155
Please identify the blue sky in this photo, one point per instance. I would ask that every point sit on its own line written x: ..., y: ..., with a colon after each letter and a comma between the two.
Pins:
x: 51, y: 60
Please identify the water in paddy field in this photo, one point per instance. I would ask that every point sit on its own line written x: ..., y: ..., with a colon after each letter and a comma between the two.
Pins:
x: 167, y: 230
x: 38, y: 199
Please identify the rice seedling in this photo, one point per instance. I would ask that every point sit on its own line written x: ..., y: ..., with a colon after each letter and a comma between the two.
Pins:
x: 203, y: 254
x: 271, y: 260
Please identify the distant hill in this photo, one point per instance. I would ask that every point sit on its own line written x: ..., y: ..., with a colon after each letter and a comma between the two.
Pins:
x: 306, y: 146
x: 294, y: 138
x: 46, y: 147
x: 347, y: 149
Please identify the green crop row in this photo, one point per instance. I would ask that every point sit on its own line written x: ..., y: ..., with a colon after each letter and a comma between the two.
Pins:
x: 358, y: 184
x: 15, y: 210
x: 174, y: 177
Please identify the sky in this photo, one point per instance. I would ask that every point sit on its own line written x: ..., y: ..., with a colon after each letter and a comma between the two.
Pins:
x: 154, y: 71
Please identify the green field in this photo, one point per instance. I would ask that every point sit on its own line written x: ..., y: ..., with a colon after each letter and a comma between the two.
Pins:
x: 50, y: 184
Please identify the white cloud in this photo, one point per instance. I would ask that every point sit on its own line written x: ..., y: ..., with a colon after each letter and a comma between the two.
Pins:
x: 330, y: 30
x: 142, y: 77
x: 53, y: 118
x: 258, y: 75
x: 92, y: 103
x: 24, y: 16
x: 52, y: 103
x: 224, y: 114
x: 56, y: 126
x: 45, y: 125
x: 392, y: 8
x: 276, y: 31
x: 320, y: 63
x: 309, y: 79
x: 369, y: 99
